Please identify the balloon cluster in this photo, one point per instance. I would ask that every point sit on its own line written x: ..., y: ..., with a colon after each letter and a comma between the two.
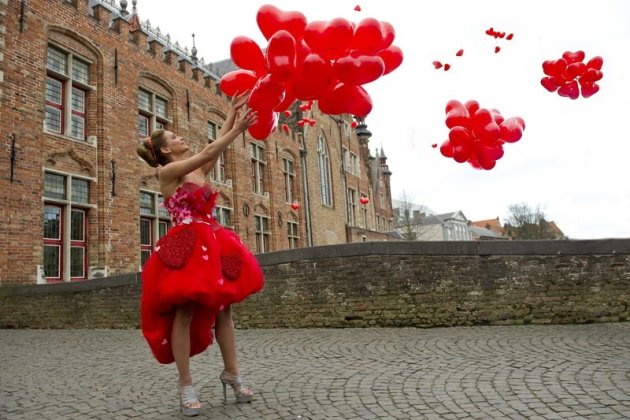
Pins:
x: 326, y: 61
x: 569, y: 76
x: 477, y: 134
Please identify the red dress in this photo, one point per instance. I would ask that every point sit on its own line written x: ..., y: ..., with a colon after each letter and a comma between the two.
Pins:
x: 196, y: 261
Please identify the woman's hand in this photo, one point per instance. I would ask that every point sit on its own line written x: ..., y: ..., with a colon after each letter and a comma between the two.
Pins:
x: 239, y: 100
x: 243, y: 122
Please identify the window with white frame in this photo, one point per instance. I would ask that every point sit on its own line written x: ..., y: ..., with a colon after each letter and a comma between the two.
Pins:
x: 354, y: 164
x: 152, y: 113
x: 324, y: 171
x: 67, y: 93
x: 352, y: 207
x: 262, y: 233
x: 258, y: 168
x: 223, y: 215
x: 350, y: 162
x: 293, y: 235
x: 212, y: 130
x: 217, y: 173
x: 66, y: 206
x: 154, y: 222
x: 288, y: 169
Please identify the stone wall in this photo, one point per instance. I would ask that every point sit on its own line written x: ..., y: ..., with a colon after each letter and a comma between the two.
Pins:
x: 421, y: 284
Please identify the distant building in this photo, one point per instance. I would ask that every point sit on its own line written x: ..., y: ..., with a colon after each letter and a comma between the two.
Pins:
x: 438, y: 227
x: 490, y: 224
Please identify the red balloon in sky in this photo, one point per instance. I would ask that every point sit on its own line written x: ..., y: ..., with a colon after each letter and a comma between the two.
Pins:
x: 270, y: 20
x: 281, y: 56
x: 237, y: 81
x: 246, y: 54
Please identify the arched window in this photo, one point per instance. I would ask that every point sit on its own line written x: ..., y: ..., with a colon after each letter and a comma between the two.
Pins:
x: 324, y: 171
x: 71, y: 78
x: 155, y: 107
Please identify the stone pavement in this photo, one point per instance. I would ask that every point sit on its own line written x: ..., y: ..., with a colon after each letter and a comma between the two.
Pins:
x: 534, y: 372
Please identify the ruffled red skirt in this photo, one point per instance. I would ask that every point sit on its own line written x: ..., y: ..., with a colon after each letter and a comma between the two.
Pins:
x: 198, y: 263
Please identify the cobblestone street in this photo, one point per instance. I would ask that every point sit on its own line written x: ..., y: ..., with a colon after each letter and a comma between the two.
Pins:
x: 534, y: 372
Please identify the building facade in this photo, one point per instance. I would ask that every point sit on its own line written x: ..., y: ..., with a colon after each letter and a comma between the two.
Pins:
x: 81, y: 81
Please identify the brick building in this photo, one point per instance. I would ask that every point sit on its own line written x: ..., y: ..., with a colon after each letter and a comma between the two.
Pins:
x: 81, y: 81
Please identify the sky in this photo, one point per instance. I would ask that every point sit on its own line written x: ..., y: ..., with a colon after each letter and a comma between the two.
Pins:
x: 574, y: 157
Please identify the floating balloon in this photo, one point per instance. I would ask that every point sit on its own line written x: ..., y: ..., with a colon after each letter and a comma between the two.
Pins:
x: 264, y: 125
x: 324, y: 61
x: 237, y: 81
x: 346, y: 99
x: 267, y: 94
x: 295, y: 205
x: 364, y: 200
x: 477, y: 135
x: 358, y: 69
x: 313, y: 78
x: 270, y: 20
x: 392, y: 58
x: 246, y: 54
x: 281, y: 56
x: 570, y: 77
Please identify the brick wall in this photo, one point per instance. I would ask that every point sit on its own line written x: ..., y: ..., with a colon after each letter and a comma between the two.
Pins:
x: 123, y: 59
x: 421, y: 284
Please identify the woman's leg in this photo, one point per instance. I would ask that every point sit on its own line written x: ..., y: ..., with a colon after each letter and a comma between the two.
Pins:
x: 224, y: 331
x: 180, y: 340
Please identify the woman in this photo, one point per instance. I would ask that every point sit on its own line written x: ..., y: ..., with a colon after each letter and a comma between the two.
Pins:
x: 198, y: 268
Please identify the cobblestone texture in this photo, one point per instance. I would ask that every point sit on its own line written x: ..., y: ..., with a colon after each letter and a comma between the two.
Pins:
x: 516, y: 372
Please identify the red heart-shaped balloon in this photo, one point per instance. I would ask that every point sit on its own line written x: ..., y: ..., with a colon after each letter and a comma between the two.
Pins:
x: 264, y: 125
x: 456, y: 114
x: 346, y: 99
x: 472, y: 106
x: 267, y: 94
x: 281, y: 56
x: 388, y: 34
x: 237, y: 81
x: 313, y: 78
x: 575, y: 70
x: 369, y: 37
x: 446, y: 148
x: 437, y: 64
x: 330, y: 39
x: 589, y: 89
x: 270, y: 20
x: 550, y: 84
x: 484, y: 127
x: 555, y: 67
x: 595, y: 63
x: 246, y: 54
x: 512, y: 129
x: 573, y: 57
x: 592, y: 75
x: 392, y: 58
x: 459, y: 135
x: 355, y: 69
x: 462, y: 152
x: 569, y: 90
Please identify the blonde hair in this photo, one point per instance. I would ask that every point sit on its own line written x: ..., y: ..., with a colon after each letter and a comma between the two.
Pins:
x: 150, y: 149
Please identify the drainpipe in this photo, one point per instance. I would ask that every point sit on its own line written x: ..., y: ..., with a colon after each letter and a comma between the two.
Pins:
x: 307, y: 201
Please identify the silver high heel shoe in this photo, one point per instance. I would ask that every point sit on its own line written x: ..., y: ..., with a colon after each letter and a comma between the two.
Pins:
x: 242, y: 393
x: 188, y: 397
